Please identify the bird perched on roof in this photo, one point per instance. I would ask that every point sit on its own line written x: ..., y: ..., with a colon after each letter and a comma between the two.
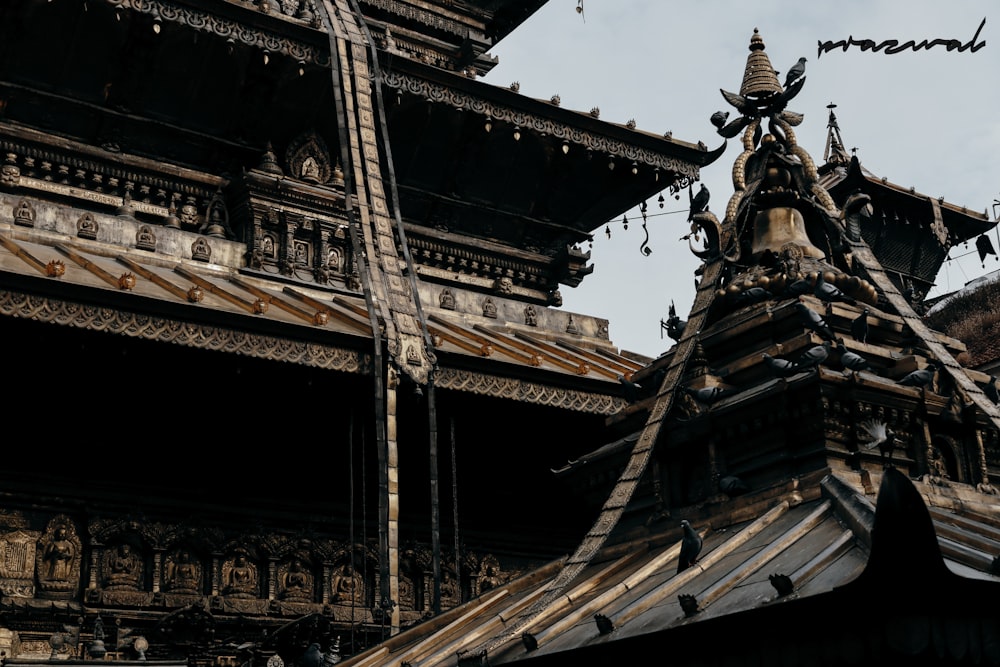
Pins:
x: 920, y: 377
x: 782, y: 583
x: 859, y: 327
x: 719, y: 118
x: 706, y: 395
x: 799, y: 287
x: 828, y: 292
x: 795, y: 72
x: 876, y: 433
x: 699, y: 202
x: 749, y: 296
x: 733, y: 486
x: 691, y: 543
x: 852, y: 361
x: 814, y: 321
x: 630, y: 390
x: 814, y: 356
x: 779, y: 367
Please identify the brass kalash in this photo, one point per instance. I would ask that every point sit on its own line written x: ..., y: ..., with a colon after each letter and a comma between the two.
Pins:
x: 781, y: 226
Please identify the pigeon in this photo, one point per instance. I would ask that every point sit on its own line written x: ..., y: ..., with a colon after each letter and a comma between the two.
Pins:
x: 604, y: 624
x: 814, y: 356
x: 851, y: 360
x: 630, y: 389
x: 828, y: 292
x: 919, y: 378
x: 799, y: 287
x: 733, y: 486
x: 699, y: 202
x: 707, y: 395
x: 795, y: 72
x: 778, y: 366
x: 749, y: 296
x: 859, y: 327
x: 814, y: 321
x: 875, y: 433
x: 690, y: 547
x: 782, y: 583
x: 719, y: 118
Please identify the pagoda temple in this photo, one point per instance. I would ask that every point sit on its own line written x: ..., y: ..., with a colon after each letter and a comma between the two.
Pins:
x: 811, y: 476
x: 288, y: 272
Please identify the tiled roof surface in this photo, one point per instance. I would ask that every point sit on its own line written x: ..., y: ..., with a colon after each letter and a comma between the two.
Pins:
x: 813, y: 536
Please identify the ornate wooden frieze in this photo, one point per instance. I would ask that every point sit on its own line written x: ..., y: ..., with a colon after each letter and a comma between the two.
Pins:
x: 416, y: 14
x: 460, y: 100
x: 301, y: 12
x: 114, y: 186
x: 298, y: 244
x: 41, y: 309
x: 529, y: 392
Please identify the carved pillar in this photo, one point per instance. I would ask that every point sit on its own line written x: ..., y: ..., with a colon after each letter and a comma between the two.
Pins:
x: 325, y: 596
x: 94, y: 555
x: 272, y: 577
x: 216, y: 574
x: 157, y: 570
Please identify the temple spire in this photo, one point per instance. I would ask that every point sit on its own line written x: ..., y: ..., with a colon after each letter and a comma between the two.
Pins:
x: 835, y: 153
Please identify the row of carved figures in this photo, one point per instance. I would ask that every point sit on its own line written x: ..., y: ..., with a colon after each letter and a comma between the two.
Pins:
x: 54, y: 563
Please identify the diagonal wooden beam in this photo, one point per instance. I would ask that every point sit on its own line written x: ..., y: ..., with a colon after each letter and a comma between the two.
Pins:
x: 531, y: 360
x: 89, y: 265
x: 622, y: 366
x: 319, y: 317
x: 155, y: 278
x: 258, y: 307
x: 336, y: 313
x: 572, y: 365
x: 25, y: 256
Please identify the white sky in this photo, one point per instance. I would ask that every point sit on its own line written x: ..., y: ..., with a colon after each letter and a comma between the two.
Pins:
x: 926, y: 119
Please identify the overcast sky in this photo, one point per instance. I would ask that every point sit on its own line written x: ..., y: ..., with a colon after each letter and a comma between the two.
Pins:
x: 926, y: 119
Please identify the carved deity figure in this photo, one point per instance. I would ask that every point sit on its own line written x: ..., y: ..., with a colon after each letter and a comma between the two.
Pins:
x: 447, y: 299
x: 241, y: 577
x: 183, y: 573
x: 346, y: 586
x: 489, y: 574
x: 296, y: 582
x: 449, y: 589
x: 489, y: 308
x: 310, y: 169
x: 530, y: 317
x: 24, y: 214
x: 58, y: 558
x: 122, y: 568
